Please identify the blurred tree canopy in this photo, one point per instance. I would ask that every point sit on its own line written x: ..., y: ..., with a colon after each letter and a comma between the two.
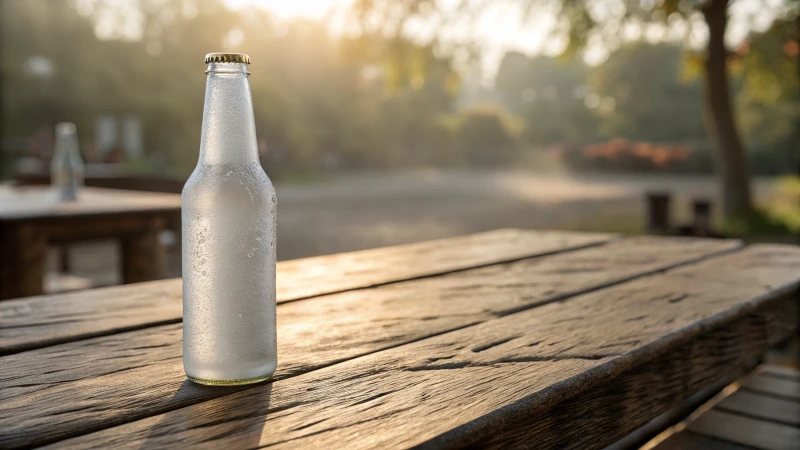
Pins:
x: 378, y: 98
x: 582, y: 22
x: 549, y: 94
x: 314, y: 105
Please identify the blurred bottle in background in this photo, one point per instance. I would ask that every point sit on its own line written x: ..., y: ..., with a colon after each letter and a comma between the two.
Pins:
x: 67, y: 169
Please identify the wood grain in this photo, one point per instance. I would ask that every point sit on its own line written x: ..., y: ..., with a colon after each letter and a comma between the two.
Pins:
x: 746, y: 431
x: 596, y: 358
x: 41, y: 321
x: 619, y: 406
x: 366, y: 268
x: 140, y: 372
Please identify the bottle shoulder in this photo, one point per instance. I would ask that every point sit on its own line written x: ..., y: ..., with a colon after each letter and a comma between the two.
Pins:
x: 208, y: 180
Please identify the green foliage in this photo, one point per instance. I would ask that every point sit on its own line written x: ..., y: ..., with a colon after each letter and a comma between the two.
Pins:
x: 778, y: 215
x: 487, y: 137
x: 315, y: 106
x: 377, y: 98
x: 759, y: 222
x: 547, y: 93
x: 785, y: 205
x: 650, y: 101
x: 771, y: 69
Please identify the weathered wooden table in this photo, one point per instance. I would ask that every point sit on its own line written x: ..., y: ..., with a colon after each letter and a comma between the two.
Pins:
x: 501, y: 339
x: 32, y: 217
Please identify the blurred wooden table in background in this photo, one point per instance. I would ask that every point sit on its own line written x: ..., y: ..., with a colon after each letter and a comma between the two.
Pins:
x: 502, y: 339
x: 31, y: 218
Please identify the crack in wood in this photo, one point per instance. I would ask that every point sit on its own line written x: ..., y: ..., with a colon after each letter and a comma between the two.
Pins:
x: 481, y: 348
x: 509, y: 360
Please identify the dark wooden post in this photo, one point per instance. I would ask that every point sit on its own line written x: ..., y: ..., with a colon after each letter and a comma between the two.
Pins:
x: 143, y: 256
x: 63, y: 259
x: 23, y: 252
x: 701, y: 221
x: 658, y: 212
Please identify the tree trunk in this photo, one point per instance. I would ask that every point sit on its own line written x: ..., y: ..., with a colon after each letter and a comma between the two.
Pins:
x: 731, y: 163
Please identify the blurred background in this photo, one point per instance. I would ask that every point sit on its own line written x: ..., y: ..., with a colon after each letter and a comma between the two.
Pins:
x: 386, y: 121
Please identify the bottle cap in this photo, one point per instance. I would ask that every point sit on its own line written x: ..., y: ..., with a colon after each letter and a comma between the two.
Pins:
x: 227, y: 58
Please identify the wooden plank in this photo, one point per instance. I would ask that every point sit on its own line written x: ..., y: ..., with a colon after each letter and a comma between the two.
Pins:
x: 778, y: 387
x: 781, y: 372
x: 746, y: 431
x: 687, y: 440
x: 41, y: 321
x: 335, y: 273
x: 40, y: 203
x: 142, y: 371
x: 611, y: 359
x: 762, y: 407
x: 92, y: 228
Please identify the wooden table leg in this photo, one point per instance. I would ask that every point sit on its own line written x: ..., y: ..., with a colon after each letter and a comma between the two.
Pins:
x: 143, y: 256
x: 23, y: 253
x: 63, y: 259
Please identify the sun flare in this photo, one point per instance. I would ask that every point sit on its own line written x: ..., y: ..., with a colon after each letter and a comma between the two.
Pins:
x: 289, y: 9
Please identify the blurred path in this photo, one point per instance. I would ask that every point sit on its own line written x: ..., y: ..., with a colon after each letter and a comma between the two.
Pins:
x: 364, y: 211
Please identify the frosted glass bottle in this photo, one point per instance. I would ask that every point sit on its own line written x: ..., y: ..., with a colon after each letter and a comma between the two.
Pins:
x: 66, y: 167
x: 228, y: 216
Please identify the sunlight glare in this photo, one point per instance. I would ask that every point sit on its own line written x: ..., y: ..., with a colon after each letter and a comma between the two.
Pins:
x: 291, y: 9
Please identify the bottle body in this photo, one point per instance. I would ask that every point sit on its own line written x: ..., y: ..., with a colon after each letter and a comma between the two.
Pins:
x: 66, y: 167
x: 229, y: 253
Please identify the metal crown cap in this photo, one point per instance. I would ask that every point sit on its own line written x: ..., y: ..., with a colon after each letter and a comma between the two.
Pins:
x: 227, y: 58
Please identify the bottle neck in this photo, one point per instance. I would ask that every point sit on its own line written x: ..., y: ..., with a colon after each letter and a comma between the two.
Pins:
x: 229, y: 130
x: 66, y: 145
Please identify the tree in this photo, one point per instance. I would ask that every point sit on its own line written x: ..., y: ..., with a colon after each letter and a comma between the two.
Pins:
x: 585, y: 20
x: 548, y: 93
x: 770, y: 100
x: 651, y: 101
x: 736, y: 195
x: 314, y: 106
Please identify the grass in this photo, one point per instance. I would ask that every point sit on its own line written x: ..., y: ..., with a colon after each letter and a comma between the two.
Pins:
x: 618, y: 219
x: 778, y: 216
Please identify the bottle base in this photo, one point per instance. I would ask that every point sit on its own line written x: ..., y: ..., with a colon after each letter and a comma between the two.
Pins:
x: 230, y: 382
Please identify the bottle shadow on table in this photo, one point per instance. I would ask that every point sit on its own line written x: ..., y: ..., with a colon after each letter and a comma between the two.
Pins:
x: 225, y: 416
